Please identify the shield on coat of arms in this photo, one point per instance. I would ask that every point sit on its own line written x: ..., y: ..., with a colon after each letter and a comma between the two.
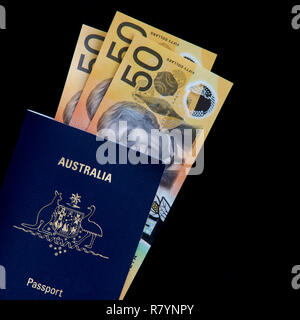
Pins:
x: 66, y: 221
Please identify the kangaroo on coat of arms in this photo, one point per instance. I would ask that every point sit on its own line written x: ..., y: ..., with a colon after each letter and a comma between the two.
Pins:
x: 65, y: 226
x: 44, y: 214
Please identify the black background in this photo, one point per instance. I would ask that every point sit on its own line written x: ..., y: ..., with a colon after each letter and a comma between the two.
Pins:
x: 232, y: 236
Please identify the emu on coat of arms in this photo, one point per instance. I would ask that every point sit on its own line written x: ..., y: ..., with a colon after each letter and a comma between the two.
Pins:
x: 65, y: 226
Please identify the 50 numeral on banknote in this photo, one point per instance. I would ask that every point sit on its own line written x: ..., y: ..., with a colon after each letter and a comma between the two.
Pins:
x: 118, y: 57
x: 144, y: 65
x: 88, y: 47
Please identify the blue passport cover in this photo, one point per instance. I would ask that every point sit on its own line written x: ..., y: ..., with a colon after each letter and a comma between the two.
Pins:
x: 69, y: 227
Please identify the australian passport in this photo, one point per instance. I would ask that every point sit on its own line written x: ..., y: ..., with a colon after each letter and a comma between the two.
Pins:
x: 69, y: 227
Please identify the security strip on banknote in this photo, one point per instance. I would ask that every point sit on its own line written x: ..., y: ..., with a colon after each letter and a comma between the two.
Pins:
x: 117, y: 40
x: 89, y: 43
x: 156, y: 89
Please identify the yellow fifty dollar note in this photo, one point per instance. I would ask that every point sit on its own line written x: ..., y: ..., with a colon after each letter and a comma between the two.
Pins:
x: 173, y: 89
x: 89, y: 43
x: 121, y: 32
x: 156, y: 89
